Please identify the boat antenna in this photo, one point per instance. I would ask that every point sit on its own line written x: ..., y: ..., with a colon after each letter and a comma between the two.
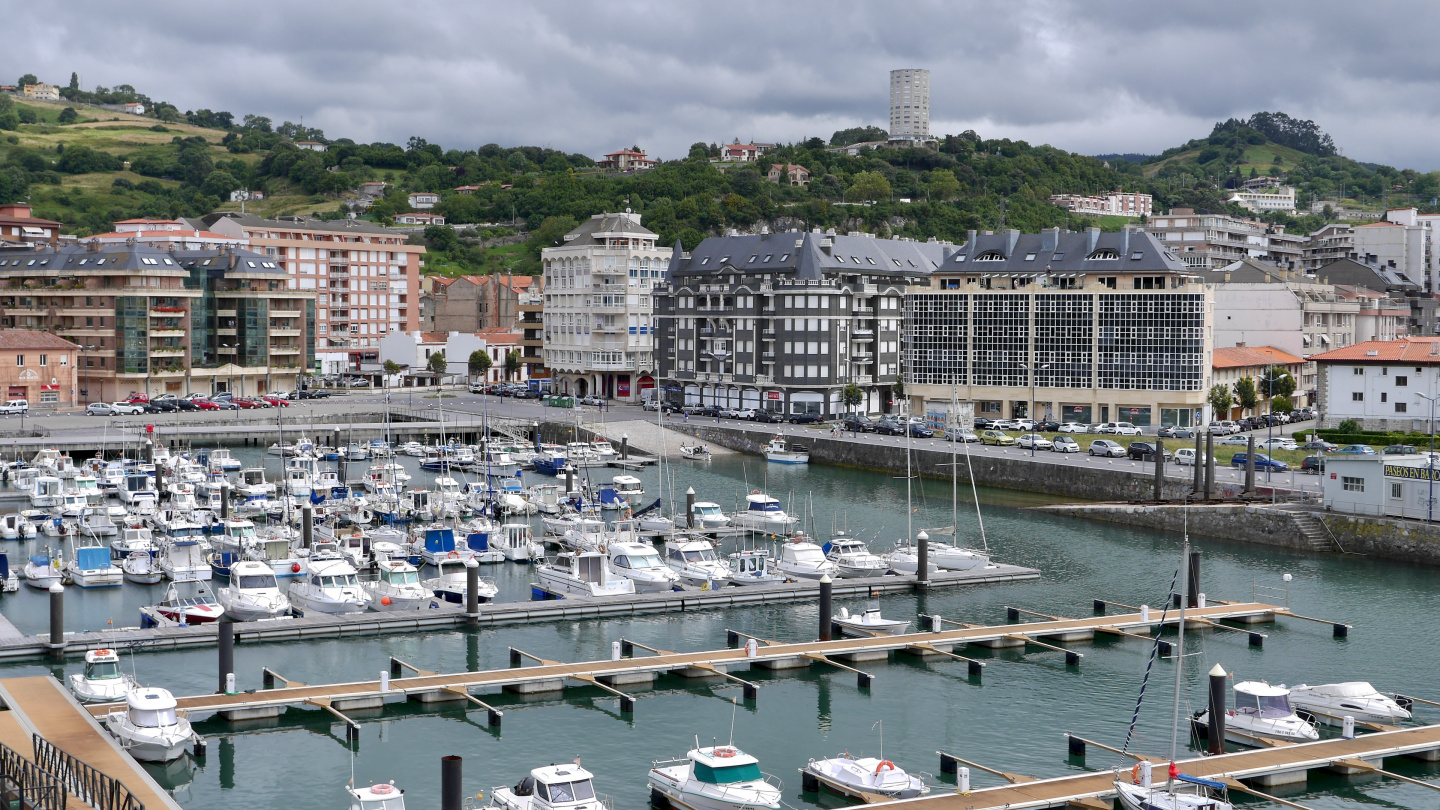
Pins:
x: 733, y: 707
x: 880, y: 724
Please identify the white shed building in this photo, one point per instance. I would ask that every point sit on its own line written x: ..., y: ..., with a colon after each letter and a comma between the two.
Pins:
x: 1391, y: 486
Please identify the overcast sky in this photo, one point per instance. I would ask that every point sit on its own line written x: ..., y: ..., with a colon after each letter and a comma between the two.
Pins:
x: 592, y: 77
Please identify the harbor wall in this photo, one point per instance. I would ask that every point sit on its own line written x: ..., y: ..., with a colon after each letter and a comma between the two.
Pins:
x: 1404, y: 540
x: 1248, y: 523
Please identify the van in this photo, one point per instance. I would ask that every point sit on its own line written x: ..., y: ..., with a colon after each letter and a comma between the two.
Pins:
x: 15, y: 406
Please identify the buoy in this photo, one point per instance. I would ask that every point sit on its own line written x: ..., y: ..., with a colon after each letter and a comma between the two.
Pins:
x: 385, y: 600
x: 295, y: 568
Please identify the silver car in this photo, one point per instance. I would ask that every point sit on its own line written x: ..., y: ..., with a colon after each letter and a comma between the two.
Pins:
x: 1107, y: 448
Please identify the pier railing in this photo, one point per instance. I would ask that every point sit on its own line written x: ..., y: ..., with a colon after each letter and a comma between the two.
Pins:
x: 32, y: 786
x: 82, y: 781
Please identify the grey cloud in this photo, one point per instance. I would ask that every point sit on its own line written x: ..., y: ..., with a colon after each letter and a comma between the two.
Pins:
x: 592, y: 77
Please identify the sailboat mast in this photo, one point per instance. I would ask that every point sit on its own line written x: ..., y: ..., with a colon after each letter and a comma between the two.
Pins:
x: 909, y: 512
x: 1180, y: 646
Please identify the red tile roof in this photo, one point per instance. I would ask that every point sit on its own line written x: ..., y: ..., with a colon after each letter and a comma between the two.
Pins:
x: 1253, y: 357
x: 14, y: 339
x: 1409, y: 350
x: 434, y: 337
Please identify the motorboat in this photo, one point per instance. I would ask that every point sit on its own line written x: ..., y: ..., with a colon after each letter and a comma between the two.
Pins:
x: 1262, y: 710
x: 762, y: 513
x: 780, y: 451
x: 802, y: 559
x: 253, y: 593
x: 708, y: 515
x: 865, y: 778
x: 581, y: 454
x: 639, y: 563
x: 1331, y: 703
x: 694, y: 559
x: 9, y: 583
x: 189, y: 602
x: 46, y: 491
x: 88, y: 486
x: 44, y: 570
x: 219, y: 459
x: 253, y: 484
x: 14, y: 526
x: 96, y: 523
x: 753, y: 566
x: 546, y: 498
x: 905, y: 559
x: 184, y: 559
x: 102, y: 681
x: 852, y: 558
x: 628, y: 487
x: 131, y: 539
x: 329, y: 586
x: 550, y: 462
x: 611, y: 500
x: 603, y: 448
x: 91, y: 568
x: 412, y: 449
x: 138, y: 490
x: 955, y: 558
x: 583, y: 572
x: 553, y: 787
x: 149, y: 728
x: 868, y: 623
x: 695, y: 452
x: 515, y: 543
x: 438, y: 543
x: 140, y: 568
x: 380, y: 796
x: 720, y: 777
x: 451, y: 582
x: 397, y: 587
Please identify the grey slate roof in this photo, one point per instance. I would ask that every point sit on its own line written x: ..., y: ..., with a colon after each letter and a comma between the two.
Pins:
x: 805, y: 255
x: 1057, y: 252
x: 127, y: 256
x: 1359, y: 274
x: 303, y: 223
x: 607, y: 223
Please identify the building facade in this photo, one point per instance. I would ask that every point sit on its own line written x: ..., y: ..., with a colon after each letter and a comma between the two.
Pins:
x: 1379, y: 383
x: 626, y: 160
x: 1092, y: 326
x: 910, y: 104
x: 39, y: 367
x: 599, y: 288
x: 365, y: 280
x: 1116, y: 204
x: 1268, y: 199
x: 530, y: 319
x: 161, y: 319
x: 1232, y: 364
x: 1212, y: 241
x: 17, y: 226
x: 1328, y: 244
x: 786, y: 321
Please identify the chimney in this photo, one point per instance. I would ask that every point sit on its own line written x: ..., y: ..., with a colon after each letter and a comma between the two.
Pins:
x: 1092, y: 237
x: 1049, y: 239
x: 1011, y: 237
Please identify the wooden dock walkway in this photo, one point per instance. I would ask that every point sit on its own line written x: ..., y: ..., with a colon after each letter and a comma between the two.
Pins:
x: 40, y: 706
x: 551, y: 676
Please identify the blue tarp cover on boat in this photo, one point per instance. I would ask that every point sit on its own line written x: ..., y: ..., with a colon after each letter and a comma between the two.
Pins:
x: 40, y: 559
x: 92, y: 558
x: 440, y: 540
x: 1195, y: 780
x: 4, y: 565
x: 478, y: 541
x: 608, y: 495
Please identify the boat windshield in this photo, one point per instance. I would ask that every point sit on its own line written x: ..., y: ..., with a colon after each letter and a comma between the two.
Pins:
x: 254, y: 581
x: 810, y: 555
x: 102, y: 671
x: 707, y: 510
x: 337, y: 581
x: 561, y: 792
x: 728, y: 774
x: 703, y: 555
x: 640, y: 561
x: 765, y: 506
x: 403, y: 577
x: 1263, y: 705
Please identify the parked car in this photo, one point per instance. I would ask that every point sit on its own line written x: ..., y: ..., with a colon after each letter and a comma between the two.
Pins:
x: 889, y: 427
x: 956, y: 434
x: 1107, y: 448
x: 999, y: 438
x: 745, y: 413
x: 858, y: 424
x: 128, y: 408
x: 276, y: 401
x: 1186, y: 456
x: 1118, y: 429
x: 100, y: 409
x: 1280, y: 417
x: 1357, y: 450
x: 1400, y: 450
x: 1004, y: 424
x: 769, y: 417
x: 1239, y: 441
x: 804, y: 418
x: 317, y: 393
x: 1320, y: 444
x: 1065, y: 444
x: 1262, y: 462
x: 1224, y: 427
x: 480, y: 389
x: 1278, y: 443
x: 205, y: 405
x: 1048, y: 426
x: 245, y: 403
x: 225, y: 404
x: 1034, y: 440
x: 1074, y: 427
x: 1143, y: 451
x: 1313, y: 465
x: 921, y: 431
x: 982, y: 423
x: 1176, y: 432
x: 1027, y: 425
x: 161, y: 406
x: 186, y: 404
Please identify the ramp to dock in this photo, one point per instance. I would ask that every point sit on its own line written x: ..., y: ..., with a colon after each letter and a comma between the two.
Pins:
x: 40, y: 706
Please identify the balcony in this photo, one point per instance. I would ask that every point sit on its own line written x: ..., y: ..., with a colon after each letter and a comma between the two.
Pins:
x: 285, y: 350
x: 167, y: 351
x: 862, y: 379
x: 285, y: 333
x: 168, y: 312
x: 168, y: 332
x: 764, y: 379
x: 768, y: 334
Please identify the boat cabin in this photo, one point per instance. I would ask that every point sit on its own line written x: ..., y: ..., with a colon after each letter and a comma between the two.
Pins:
x: 1262, y: 700
x: 724, y: 765
x: 377, y: 797
x: 152, y: 708
x: 758, y: 502
x: 750, y: 563
x: 439, y: 540
x: 558, y: 786
x: 693, y: 551
x: 102, y: 665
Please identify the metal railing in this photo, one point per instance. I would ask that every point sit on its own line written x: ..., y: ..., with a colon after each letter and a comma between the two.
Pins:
x: 96, y: 789
x: 23, y: 781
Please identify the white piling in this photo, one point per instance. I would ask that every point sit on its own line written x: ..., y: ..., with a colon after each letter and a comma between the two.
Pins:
x: 229, y: 683
x: 614, y: 651
x: 963, y: 778
x: 384, y: 680
x: 1145, y: 774
x: 1145, y: 613
x: 751, y: 648
x: 1349, y: 730
x: 1200, y: 600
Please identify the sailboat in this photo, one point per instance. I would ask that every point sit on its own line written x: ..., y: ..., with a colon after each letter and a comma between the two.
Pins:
x: 1180, y: 791
x: 952, y: 556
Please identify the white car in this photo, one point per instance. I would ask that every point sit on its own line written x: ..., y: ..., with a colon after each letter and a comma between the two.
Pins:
x: 1004, y: 424
x: 1107, y: 448
x: 1187, y: 455
x: 1023, y: 424
x: 1034, y: 439
x: 1224, y: 428
x: 1074, y: 427
x: 953, y: 434
x: 1241, y: 441
x: 1278, y: 443
x: 127, y: 408
x: 1065, y: 444
x: 1126, y: 429
x: 745, y: 413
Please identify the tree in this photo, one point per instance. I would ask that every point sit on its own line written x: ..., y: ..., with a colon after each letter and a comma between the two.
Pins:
x: 1348, y: 426
x: 74, y: 81
x: 852, y: 395
x: 1245, y: 395
x: 1281, y: 404
x: 441, y: 238
x: 550, y: 232
x: 219, y: 183
x: 512, y: 364
x: 391, y: 368
x: 28, y: 78
x: 437, y: 363
x: 869, y: 186
x: 69, y: 116
x: 1278, y: 383
x: 943, y: 185
x: 480, y: 363
x: 1220, y: 400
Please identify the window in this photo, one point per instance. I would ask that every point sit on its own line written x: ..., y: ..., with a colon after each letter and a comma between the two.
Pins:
x: 1358, y: 370
x: 1402, y: 381
x: 1353, y: 483
x: 1400, y: 407
x: 1029, y: 257
x: 1103, y: 254
x: 1396, y: 491
x: 49, y: 397
x: 44, y: 360
x: 1137, y: 255
x: 1384, y: 397
x: 1357, y: 396
x: 19, y: 359
x: 839, y: 258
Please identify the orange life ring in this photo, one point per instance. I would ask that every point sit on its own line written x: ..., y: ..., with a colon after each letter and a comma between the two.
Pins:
x: 754, y: 492
x: 724, y: 752
x: 884, y: 763
x: 102, y: 652
x: 382, y: 790
x: 1135, y: 774
x: 454, y: 555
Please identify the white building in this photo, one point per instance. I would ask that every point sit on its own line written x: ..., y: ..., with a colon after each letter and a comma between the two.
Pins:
x: 1398, y: 486
x: 1404, y: 240
x: 1279, y: 199
x: 598, y: 307
x: 1379, y: 383
x: 1115, y: 204
x: 910, y: 104
x: 424, y: 199
x: 413, y: 350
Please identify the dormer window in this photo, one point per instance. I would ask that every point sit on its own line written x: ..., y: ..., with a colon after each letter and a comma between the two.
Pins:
x: 990, y: 256
x: 1057, y: 257
x: 1029, y: 257
x: 1104, y: 254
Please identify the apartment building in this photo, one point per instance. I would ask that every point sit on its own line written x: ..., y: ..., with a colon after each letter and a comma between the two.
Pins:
x: 1378, y: 383
x: 599, y: 287
x: 41, y: 92
x: 471, y: 303
x: 530, y: 319
x: 1329, y: 244
x: 1115, y: 204
x: 910, y: 105
x: 1269, y: 199
x: 1231, y: 364
x: 1404, y: 240
x: 365, y: 279
x: 161, y: 319
x: 184, y: 234
x: 1260, y: 304
x: 1379, y: 316
x: 1211, y: 241
x: 1092, y: 326
x: 18, y: 226
x: 39, y: 368
x: 785, y: 321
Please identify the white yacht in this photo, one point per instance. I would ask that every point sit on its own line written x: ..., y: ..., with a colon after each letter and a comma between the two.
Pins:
x: 14, y: 526
x: 452, y: 581
x: 696, y: 563
x: 220, y: 459
x: 629, y: 488
x: 397, y: 587
x: 253, y: 593
x: 91, y: 568
x: 1182, y: 793
x: 865, y: 777
x: 582, y: 572
x: 329, y: 586
x: 149, y: 728
x: 102, y: 681
x: 720, y: 777
x: 753, y: 566
x: 955, y: 558
x: 762, y: 513
x: 96, y: 523
x: 139, y: 567
x: 546, y: 498
x: 514, y: 541
x: 253, y: 484
x: 46, y: 492
x: 852, y: 558
x: 802, y: 559
x: 639, y: 563
x: 554, y: 787
x: 132, y: 538
x: 709, y: 516
x: 1262, y: 710
x: 868, y: 623
x: 1332, y: 702
x: 905, y: 559
x: 184, y: 560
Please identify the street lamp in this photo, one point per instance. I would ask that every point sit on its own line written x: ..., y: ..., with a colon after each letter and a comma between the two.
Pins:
x: 1430, y: 502
x: 1033, y: 424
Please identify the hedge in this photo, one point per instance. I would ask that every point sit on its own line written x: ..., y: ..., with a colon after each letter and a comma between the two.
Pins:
x: 1374, y: 437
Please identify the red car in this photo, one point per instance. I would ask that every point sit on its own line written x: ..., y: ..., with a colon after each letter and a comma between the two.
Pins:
x: 205, y: 404
x: 138, y: 399
x: 275, y: 401
x: 245, y: 403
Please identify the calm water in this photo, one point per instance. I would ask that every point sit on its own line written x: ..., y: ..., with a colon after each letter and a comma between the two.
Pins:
x: 1012, y: 720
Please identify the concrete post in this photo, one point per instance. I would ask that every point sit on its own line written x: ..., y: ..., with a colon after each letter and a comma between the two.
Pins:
x: 1199, y: 453
x: 1159, y: 470
x: 226, y: 628
x: 1192, y: 583
x: 922, y: 561
x: 690, y: 508
x: 451, y: 793
x: 472, y: 592
x: 57, y: 621
x: 1250, y: 466
x: 1209, y: 465
x: 624, y: 446
x: 225, y: 502
x: 569, y: 480
x: 160, y: 494
x: 307, y: 526
x: 1216, y: 731
x: 826, y: 606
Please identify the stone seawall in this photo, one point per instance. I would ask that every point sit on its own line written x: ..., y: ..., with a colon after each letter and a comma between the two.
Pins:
x: 1406, y: 540
x: 1244, y: 522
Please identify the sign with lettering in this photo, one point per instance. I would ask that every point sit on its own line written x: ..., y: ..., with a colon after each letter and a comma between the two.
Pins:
x: 1413, y: 473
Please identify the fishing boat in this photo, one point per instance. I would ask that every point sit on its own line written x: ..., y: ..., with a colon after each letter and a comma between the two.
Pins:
x: 708, y: 515
x: 868, y: 623
x: 561, y: 787
x: 14, y: 526
x: 140, y: 568
x: 550, y: 462
x: 219, y: 459
x: 376, y: 797
x: 628, y: 487
x: 91, y: 568
x: 720, y: 777
x: 515, y: 543
x: 451, y: 582
x: 762, y: 513
x: 753, y: 566
x: 695, y: 452
x: 189, y: 602
x: 44, y: 570
x: 102, y: 681
x: 438, y: 543
x: 329, y: 586
x: 852, y: 558
x: 802, y: 559
x: 865, y: 777
x: 1331, y: 703
x: 138, y: 490
x: 96, y: 523
x: 1262, y: 710
x: 412, y: 449
x: 639, y: 563
x: 253, y: 484
x: 253, y: 593
x: 45, y: 492
x: 696, y: 562
x: 780, y: 451
x: 582, y: 572
x: 397, y: 587
x: 183, y: 559
x: 149, y: 728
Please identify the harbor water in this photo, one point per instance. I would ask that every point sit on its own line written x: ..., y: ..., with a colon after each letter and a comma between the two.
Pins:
x: 1012, y: 718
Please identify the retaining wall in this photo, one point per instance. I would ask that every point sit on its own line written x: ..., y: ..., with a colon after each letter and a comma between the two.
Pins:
x: 1244, y: 522
x: 1405, y: 540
